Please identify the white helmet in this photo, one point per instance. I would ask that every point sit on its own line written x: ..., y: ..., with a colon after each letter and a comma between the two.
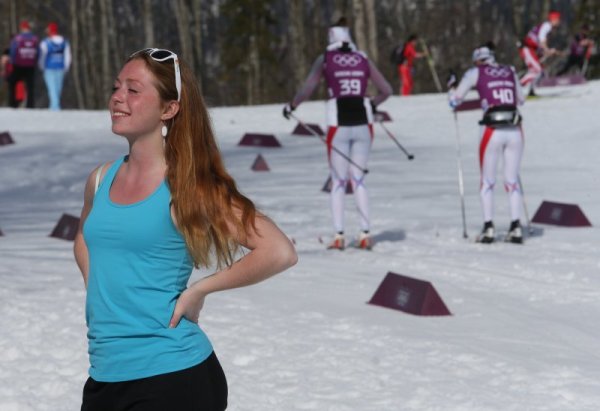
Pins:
x: 483, y: 54
x: 339, y: 34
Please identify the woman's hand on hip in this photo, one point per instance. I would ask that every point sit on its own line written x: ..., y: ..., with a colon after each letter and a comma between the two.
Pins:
x: 188, y: 305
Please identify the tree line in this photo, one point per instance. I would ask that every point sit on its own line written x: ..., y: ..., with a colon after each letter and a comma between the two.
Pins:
x: 259, y: 51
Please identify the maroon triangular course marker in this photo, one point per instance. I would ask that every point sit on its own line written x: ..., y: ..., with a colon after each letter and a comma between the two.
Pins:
x: 409, y: 295
x: 560, y: 214
x: 5, y: 138
x: 66, y: 228
x: 382, y: 116
x: 260, y: 164
x: 568, y: 80
x: 259, y: 140
x: 305, y: 130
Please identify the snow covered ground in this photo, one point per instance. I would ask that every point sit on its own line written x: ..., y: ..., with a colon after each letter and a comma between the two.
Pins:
x: 524, y: 332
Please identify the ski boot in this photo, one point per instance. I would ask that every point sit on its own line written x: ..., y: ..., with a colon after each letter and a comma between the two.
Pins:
x: 487, y: 234
x: 515, y: 233
x: 364, y: 241
x: 338, y: 242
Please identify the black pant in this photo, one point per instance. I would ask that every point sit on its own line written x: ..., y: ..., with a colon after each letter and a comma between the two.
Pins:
x: 199, y: 388
x: 572, y: 61
x: 26, y: 74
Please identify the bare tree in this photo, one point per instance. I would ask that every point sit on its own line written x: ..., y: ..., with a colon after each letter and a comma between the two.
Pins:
x: 75, y: 69
x: 317, y: 34
x: 358, y: 14
x: 8, y: 8
x: 106, y: 71
x: 249, y: 49
x: 148, y: 17
x: 253, y: 67
x: 92, y: 77
x: 197, y: 37
x: 12, y: 9
x: 371, y: 23
x: 297, y: 41
x: 182, y: 15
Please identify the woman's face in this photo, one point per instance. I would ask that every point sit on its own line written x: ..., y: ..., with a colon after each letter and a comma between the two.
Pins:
x: 135, y: 106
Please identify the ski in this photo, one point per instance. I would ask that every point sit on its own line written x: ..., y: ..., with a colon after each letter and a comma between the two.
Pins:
x: 356, y: 244
x: 327, y: 241
x: 480, y: 240
x: 498, y: 238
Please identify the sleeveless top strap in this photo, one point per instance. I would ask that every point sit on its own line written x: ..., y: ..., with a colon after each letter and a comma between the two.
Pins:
x: 110, y: 172
x: 98, y: 173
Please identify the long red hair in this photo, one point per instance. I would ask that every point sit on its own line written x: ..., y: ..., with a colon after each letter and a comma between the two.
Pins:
x: 205, y: 197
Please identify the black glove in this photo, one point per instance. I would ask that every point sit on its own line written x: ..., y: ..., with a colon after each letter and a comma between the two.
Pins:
x: 452, y: 80
x: 287, y: 110
x: 373, y: 107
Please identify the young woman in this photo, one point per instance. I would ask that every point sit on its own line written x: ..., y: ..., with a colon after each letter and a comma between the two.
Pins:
x: 347, y: 72
x: 148, y: 218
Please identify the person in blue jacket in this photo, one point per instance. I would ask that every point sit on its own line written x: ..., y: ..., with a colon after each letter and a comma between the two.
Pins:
x: 54, y: 61
x: 148, y: 218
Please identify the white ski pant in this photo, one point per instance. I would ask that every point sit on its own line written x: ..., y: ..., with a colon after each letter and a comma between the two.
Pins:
x: 534, y: 67
x: 506, y: 143
x: 353, y: 142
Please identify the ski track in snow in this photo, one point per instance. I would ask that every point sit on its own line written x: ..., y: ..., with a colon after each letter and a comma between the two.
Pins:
x: 523, y: 334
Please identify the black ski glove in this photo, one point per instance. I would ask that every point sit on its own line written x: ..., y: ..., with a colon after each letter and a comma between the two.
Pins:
x: 287, y: 110
x: 373, y: 107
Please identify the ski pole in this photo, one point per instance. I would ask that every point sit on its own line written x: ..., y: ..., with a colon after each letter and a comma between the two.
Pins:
x: 584, y: 67
x: 314, y: 133
x: 431, y: 65
x: 529, y: 227
x: 390, y: 135
x: 461, y: 187
x: 555, y: 59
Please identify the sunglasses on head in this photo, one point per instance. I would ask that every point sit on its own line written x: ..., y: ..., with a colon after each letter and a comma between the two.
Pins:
x: 161, y: 55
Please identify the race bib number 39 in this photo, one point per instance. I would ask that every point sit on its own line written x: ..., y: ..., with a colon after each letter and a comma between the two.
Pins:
x: 349, y: 87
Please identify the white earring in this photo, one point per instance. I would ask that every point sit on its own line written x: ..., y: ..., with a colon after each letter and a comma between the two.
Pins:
x: 163, y: 131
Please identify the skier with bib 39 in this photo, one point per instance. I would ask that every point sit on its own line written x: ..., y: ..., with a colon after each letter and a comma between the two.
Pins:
x: 350, y: 122
x: 501, y: 135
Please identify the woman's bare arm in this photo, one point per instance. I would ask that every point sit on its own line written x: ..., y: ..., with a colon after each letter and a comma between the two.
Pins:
x: 80, y: 248
x: 271, y: 252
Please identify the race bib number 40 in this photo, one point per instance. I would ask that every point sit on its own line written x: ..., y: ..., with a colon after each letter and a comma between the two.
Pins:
x: 504, y: 95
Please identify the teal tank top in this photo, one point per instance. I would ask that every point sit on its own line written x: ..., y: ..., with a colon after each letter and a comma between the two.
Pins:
x: 139, y: 265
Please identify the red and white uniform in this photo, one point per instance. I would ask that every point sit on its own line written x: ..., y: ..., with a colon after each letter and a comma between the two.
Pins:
x: 531, y: 51
x: 497, y: 85
x: 349, y: 120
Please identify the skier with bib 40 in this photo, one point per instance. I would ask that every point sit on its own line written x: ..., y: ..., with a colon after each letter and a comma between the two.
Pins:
x: 501, y: 134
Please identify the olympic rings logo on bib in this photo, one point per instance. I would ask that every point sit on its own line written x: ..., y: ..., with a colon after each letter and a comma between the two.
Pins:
x: 347, y: 60
x: 497, y: 71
